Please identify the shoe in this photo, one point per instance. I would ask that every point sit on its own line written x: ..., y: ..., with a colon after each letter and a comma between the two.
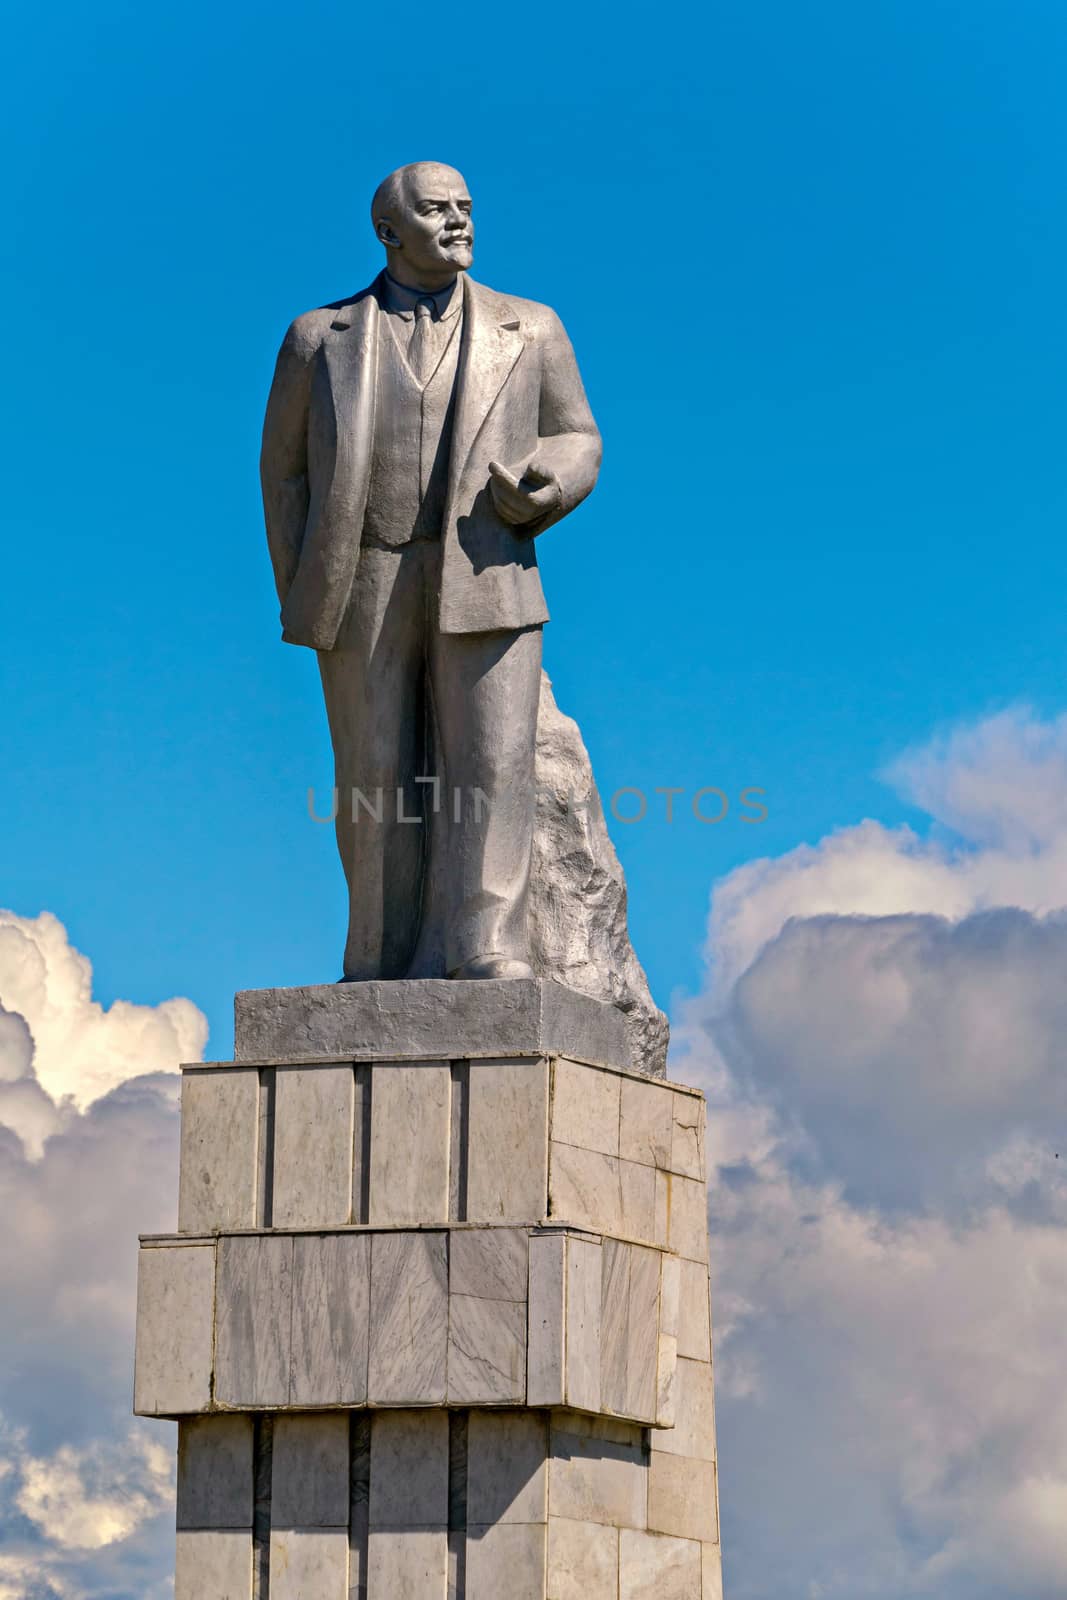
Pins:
x: 493, y: 966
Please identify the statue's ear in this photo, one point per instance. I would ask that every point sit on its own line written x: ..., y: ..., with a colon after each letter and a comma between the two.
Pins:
x: 384, y: 229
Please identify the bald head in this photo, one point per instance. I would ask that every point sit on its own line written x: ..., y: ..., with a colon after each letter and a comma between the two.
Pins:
x: 422, y: 215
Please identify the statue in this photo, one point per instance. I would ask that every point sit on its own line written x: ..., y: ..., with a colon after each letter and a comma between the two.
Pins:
x: 418, y: 437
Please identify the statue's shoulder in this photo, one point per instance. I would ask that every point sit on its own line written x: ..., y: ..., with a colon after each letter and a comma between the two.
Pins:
x: 307, y: 331
x: 536, y: 321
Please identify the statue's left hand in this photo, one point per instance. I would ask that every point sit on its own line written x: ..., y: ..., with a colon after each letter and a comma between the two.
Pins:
x: 526, y: 499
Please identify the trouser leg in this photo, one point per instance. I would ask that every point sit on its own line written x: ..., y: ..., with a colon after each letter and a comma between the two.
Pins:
x: 485, y: 689
x: 371, y: 684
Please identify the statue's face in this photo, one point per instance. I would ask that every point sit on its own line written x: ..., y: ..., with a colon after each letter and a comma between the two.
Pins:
x: 432, y: 224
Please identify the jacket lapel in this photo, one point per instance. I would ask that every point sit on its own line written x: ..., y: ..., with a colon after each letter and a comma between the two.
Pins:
x: 491, y: 346
x: 351, y: 354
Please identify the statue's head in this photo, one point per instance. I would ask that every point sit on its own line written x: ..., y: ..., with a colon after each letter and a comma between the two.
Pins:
x: 422, y: 215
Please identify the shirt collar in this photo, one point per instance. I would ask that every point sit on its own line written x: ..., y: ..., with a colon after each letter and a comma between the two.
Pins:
x: 401, y: 300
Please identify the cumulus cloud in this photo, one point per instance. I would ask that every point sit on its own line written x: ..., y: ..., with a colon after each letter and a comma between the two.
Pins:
x: 88, y: 1157
x: 881, y: 1036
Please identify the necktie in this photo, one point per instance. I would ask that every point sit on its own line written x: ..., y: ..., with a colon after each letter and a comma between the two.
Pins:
x: 421, y: 348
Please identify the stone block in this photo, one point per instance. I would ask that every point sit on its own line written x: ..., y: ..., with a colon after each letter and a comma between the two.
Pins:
x: 582, y: 1341
x: 681, y: 1497
x: 175, y: 1294
x: 667, y: 1364
x: 507, y: 1473
x: 584, y: 1189
x: 309, y: 1564
x: 486, y: 1351
x: 507, y: 1142
x: 415, y: 1019
x: 409, y: 1470
x: 219, y: 1145
x: 253, y: 1321
x: 409, y: 1319
x: 646, y: 1123
x: 585, y: 1106
x: 505, y: 1559
x: 309, y: 1472
x: 711, y: 1572
x: 331, y: 1319
x: 545, y: 1376
x: 654, y: 1567
x: 689, y: 1218
x: 412, y: 1565
x: 490, y: 1263
x: 583, y: 1560
x: 410, y: 1142
x: 629, y: 1320
x: 694, y: 1312
x: 693, y: 1433
x: 637, y: 1203
x: 313, y: 1114
x: 596, y: 1480
x: 213, y: 1564
x: 215, y: 1472
x: 687, y: 1137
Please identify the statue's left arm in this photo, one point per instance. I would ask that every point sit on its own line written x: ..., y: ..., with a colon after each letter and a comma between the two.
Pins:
x: 563, y: 468
x: 568, y: 438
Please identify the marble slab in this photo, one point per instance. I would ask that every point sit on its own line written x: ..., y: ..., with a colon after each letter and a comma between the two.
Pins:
x: 215, y: 1562
x: 507, y: 1141
x: 408, y: 1319
x: 486, y: 1351
x: 219, y: 1148
x: 309, y: 1471
x: 655, y: 1567
x: 426, y: 1018
x: 410, y: 1142
x: 215, y: 1472
x: 505, y: 1559
x: 507, y: 1472
x: 331, y: 1319
x: 313, y: 1144
x: 253, y: 1350
x: 172, y: 1365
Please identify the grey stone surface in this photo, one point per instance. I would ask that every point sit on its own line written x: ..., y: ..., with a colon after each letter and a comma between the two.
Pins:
x: 577, y: 916
x: 215, y: 1472
x: 309, y: 1564
x: 253, y: 1348
x: 585, y: 1188
x: 687, y: 1142
x: 693, y: 1433
x: 175, y: 1292
x: 313, y: 1147
x: 596, y: 1480
x: 711, y: 1572
x: 309, y: 1472
x: 410, y: 1142
x: 490, y: 1263
x: 669, y: 1323
x: 681, y: 1497
x: 654, y: 1567
x: 646, y: 1123
x: 213, y: 1562
x: 689, y: 1218
x: 585, y: 1106
x: 629, y: 1350
x: 409, y: 1470
x: 507, y: 1143
x: 506, y: 1559
x: 583, y: 1336
x: 507, y: 1467
x: 408, y: 1564
x: 486, y: 1351
x: 427, y: 1019
x: 545, y: 1375
x: 694, y: 1311
x: 583, y: 1560
x: 409, y: 1319
x: 331, y: 1319
x: 219, y: 1141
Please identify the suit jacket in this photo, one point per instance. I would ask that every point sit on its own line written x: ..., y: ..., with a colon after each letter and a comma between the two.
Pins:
x: 519, y: 394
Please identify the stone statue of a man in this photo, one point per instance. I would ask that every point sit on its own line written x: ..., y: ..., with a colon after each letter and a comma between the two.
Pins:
x: 418, y: 436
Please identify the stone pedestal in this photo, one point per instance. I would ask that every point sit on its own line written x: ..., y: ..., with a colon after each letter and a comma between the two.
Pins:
x: 435, y: 1322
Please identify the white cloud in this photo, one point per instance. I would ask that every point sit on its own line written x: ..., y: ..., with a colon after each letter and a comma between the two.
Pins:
x: 88, y: 1157
x: 883, y: 1041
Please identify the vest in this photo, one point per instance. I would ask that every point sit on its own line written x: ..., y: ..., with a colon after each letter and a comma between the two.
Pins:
x: 408, y: 481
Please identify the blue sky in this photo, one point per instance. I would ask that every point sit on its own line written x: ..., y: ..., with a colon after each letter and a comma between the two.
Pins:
x: 812, y: 259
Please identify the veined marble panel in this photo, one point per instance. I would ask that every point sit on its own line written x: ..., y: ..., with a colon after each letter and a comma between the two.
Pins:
x: 687, y: 1139
x: 693, y: 1433
x: 545, y: 1375
x: 253, y: 1353
x: 505, y: 1559
x: 408, y: 1319
x: 689, y: 1218
x: 410, y: 1141
x: 507, y: 1153
x: 219, y: 1143
x: 694, y: 1312
x: 647, y: 1119
x: 309, y: 1472
x: 172, y: 1370
x: 331, y: 1319
x: 215, y: 1472
x: 490, y: 1263
x: 409, y: 1470
x: 583, y: 1336
x: 308, y: 1564
x: 585, y: 1106
x: 595, y: 1480
x: 682, y: 1497
x: 654, y: 1567
x: 313, y: 1120
x: 507, y: 1473
x: 486, y: 1351
x: 215, y: 1562
x: 583, y: 1560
